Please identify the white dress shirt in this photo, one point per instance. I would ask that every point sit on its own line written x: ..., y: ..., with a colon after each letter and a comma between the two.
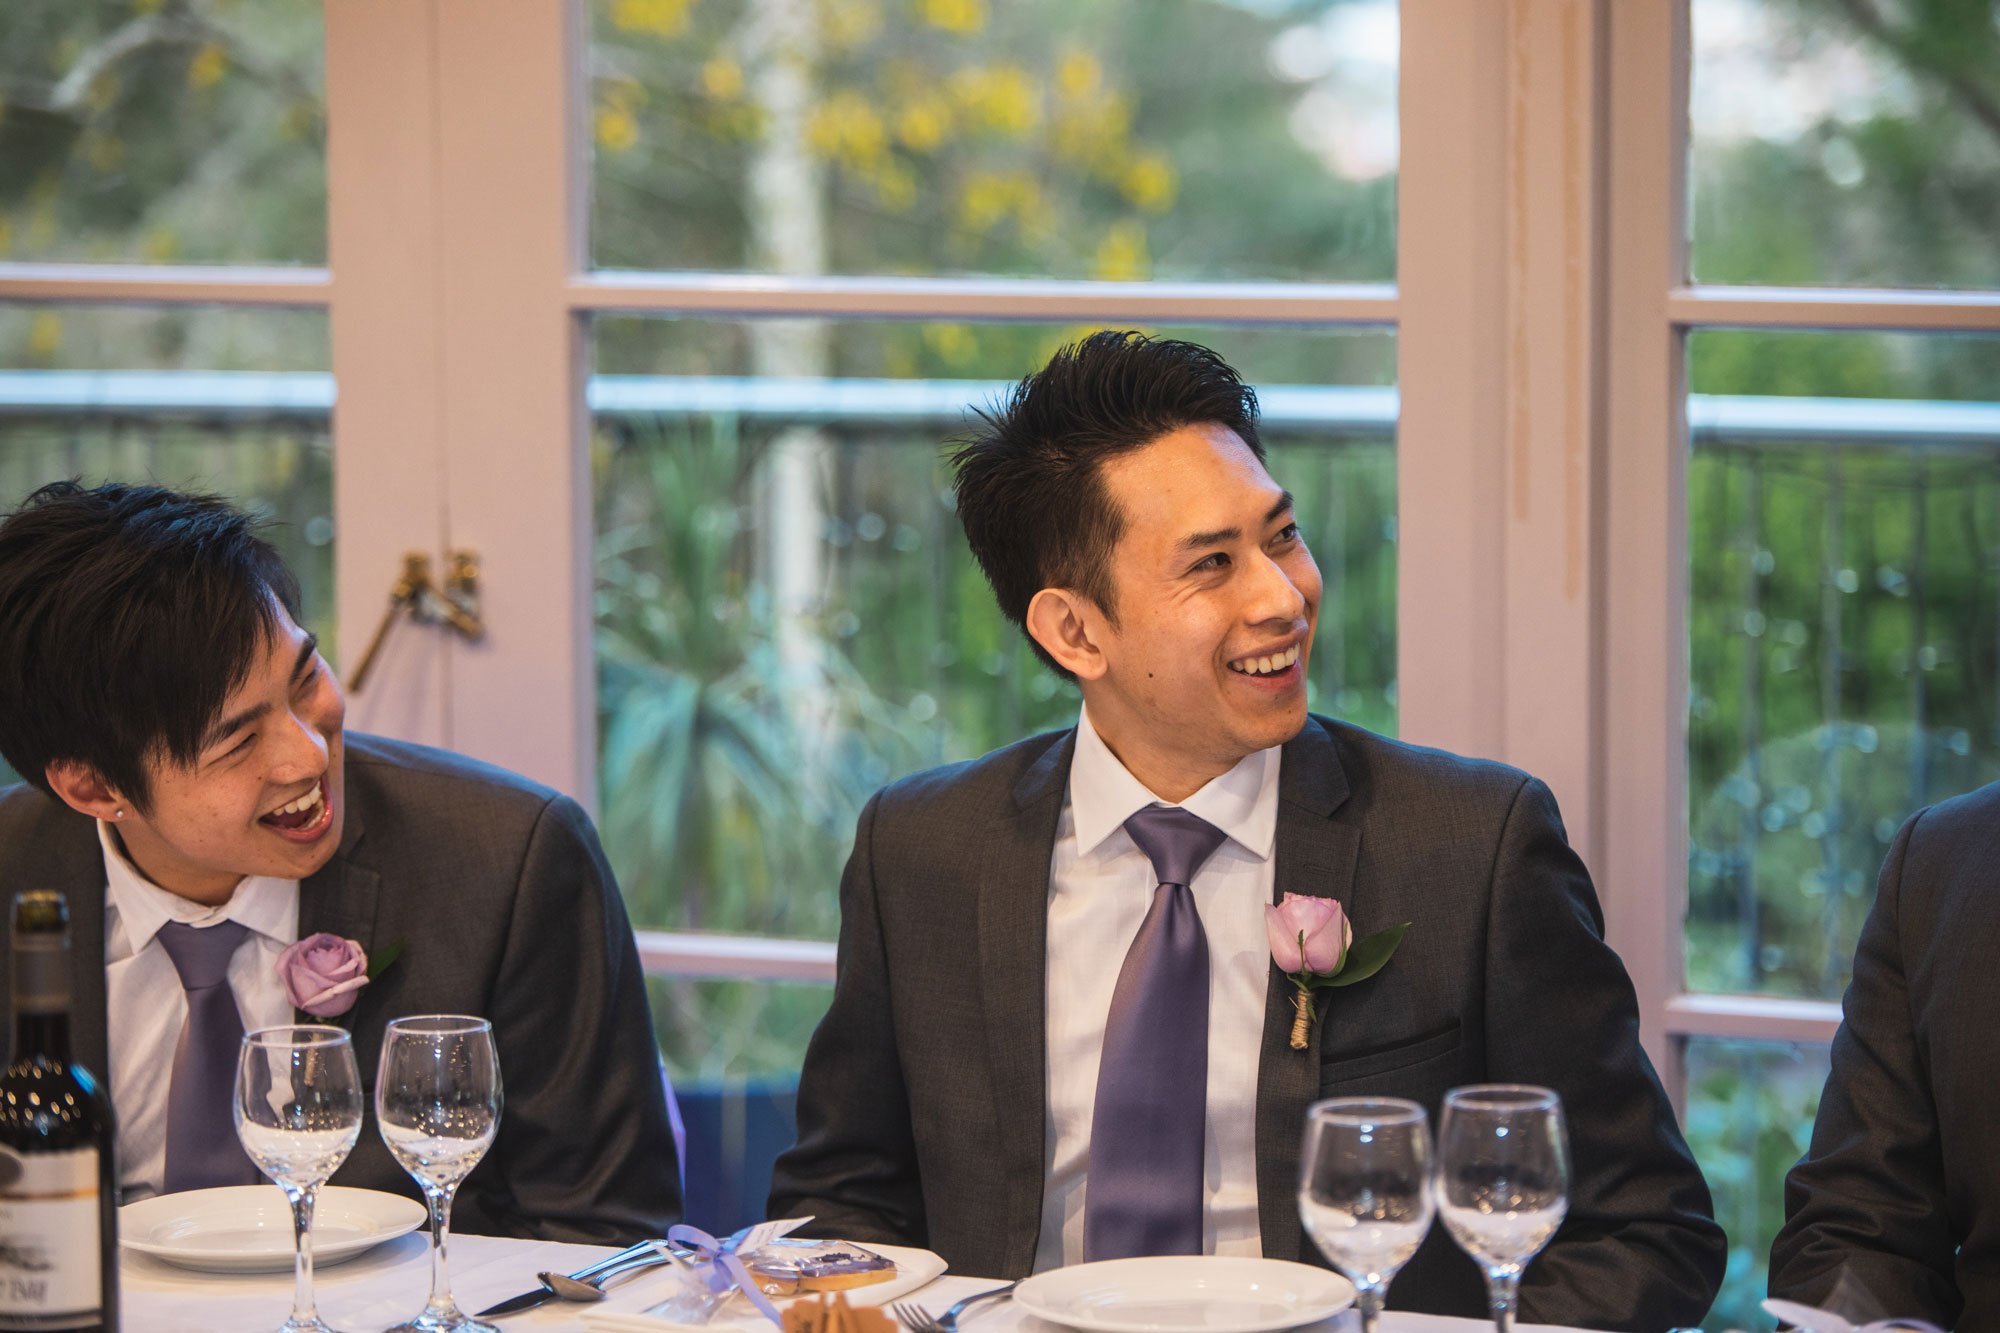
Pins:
x: 146, y: 1006
x: 1100, y: 889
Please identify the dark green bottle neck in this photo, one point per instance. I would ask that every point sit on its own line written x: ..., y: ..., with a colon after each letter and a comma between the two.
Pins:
x: 45, y: 1035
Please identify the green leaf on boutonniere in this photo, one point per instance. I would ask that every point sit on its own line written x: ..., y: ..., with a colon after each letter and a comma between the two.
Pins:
x: 1366, y: 957
x: 390, y: 953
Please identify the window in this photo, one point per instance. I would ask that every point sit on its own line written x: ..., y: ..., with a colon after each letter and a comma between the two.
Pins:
x: 1834, y: 456
x: 1183, y: 139
x: 1849, y: 143
x: 786, y: 614
x: 162, y: 134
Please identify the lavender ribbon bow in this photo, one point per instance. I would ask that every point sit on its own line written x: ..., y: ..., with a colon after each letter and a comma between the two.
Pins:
x: 720, y: 1267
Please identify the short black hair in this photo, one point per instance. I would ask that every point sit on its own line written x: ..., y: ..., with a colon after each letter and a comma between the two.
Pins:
x: 128, y: 614
x: 1030, y: 487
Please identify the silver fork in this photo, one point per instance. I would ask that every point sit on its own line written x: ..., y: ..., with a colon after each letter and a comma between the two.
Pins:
x: 918, y: 1320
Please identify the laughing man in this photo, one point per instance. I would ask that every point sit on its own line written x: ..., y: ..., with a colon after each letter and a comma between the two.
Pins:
x: 1030, y: 939
x: 234, y: 859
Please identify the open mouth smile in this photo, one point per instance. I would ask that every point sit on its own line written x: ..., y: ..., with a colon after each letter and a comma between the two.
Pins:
x: 303, y: 819
x: 1268, y: 666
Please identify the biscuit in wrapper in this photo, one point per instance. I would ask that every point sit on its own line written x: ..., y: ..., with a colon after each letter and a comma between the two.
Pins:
x: 786, y: 1267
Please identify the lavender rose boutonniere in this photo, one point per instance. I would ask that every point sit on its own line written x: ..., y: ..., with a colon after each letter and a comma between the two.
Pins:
x: 322, y: 973
x: 1313, y: 944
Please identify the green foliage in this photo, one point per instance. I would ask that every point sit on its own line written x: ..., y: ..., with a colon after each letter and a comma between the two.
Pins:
x: 1369, y: 956
x: 162, y: 131
x: 1844, y: 620
x: 1089, y: 138
x: 1905, y: 197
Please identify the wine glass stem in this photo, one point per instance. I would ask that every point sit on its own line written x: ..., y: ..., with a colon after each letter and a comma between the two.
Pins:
x: 303, y: 1312
x: 1368, y: 1296
x: 1503, y: 1287
x: 440, y: 1206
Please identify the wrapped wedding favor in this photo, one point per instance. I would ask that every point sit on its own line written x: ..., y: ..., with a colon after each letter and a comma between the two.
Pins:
x: 786, y: 1267
x: 717, y: 1272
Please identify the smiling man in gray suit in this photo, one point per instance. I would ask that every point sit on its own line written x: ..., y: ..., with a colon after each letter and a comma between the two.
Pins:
x: 196, y: 798
x: 1057, y: 1033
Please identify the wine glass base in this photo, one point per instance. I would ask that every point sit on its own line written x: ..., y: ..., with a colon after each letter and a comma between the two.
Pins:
x: 312, y: 1325
x: 455, y: 1321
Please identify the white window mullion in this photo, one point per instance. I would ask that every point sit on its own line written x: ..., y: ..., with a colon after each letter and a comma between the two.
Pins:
x: 721, y: 295
x: 1645, y: 818
x: 517, y: 479
x: 150, y: 284
x: 1835, y: 308
x: 383, y: 248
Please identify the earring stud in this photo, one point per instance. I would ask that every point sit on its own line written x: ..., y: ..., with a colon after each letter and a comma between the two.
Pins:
x: 119, y: 813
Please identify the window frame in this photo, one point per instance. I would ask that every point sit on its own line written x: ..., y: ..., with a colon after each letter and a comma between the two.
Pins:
x: 1541, y: 498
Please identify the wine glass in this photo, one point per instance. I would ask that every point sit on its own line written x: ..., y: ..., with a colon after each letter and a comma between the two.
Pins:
x: 437, y: 1101
x: 298, y: 1112
x: 1365, y: 1189
x: 1504, y: 1184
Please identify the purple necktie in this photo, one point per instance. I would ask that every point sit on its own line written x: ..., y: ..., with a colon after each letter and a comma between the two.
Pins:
x: 202, y: 1149
x: 1144, y: 1188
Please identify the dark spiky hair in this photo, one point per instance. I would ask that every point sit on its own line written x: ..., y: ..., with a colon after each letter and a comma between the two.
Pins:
x: 1030, y: 486
x: 127, y: 616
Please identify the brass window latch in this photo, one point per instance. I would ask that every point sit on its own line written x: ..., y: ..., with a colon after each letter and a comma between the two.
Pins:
x: 416, y: 596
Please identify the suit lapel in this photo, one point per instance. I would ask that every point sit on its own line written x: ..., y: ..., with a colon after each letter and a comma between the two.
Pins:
x: 341, y: 897
x: 1013, y: 966
x: 1315, y: 856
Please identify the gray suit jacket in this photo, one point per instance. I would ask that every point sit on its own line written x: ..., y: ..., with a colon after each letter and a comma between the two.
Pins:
x: 1901, y: 1187
x: 922, y: 1107
x: 501, y: 898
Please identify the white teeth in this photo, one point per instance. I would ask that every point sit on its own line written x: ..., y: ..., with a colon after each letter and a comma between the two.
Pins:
x: 306, y: 802
x: 1265, y: 666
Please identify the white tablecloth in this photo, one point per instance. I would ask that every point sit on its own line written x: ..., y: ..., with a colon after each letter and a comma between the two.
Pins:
x: 389, y: 1284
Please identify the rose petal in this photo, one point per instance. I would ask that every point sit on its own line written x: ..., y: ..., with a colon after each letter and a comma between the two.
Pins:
x: 1284, y: 940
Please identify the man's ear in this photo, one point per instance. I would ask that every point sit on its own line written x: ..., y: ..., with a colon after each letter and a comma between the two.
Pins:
x: 84, y: 791
x: 1068, y: 626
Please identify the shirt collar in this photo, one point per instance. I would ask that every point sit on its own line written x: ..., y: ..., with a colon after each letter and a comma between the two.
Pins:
x: 266, y: 905
x: 1103, y: 794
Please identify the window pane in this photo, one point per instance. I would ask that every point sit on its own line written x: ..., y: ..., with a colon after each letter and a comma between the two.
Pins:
x: 733, y: 1050
x: 1844, y: 539
x: 163, y: 134
x: 233, y: 401
x: 1092, y: 139
x: 1750, y: 1109
x: 1845, y: 143
x: 788, y: 617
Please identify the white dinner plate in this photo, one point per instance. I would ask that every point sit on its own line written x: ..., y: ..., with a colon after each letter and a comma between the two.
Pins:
x: 248, y: 1228
x: 1212, y: 1293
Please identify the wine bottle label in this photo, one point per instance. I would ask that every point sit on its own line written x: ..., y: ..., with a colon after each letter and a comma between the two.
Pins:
x: 49, y: 1242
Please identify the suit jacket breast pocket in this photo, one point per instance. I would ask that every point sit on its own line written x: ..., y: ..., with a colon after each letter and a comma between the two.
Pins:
x: 1405, y: 1069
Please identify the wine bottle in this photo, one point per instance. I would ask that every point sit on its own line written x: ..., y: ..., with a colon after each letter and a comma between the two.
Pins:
x: 58, y: 1218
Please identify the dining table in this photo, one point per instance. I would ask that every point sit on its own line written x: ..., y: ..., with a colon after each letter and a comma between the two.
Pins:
x: 390, y: 1283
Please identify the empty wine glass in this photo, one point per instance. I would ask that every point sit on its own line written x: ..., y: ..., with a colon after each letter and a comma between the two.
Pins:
x: 298, y: 1113
x: 437, y: 1100
x: 1365, y: 1190
x: 1503, y: 1187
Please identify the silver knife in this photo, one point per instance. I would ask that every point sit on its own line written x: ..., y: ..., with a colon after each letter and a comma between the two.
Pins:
x: 528, y: 1300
